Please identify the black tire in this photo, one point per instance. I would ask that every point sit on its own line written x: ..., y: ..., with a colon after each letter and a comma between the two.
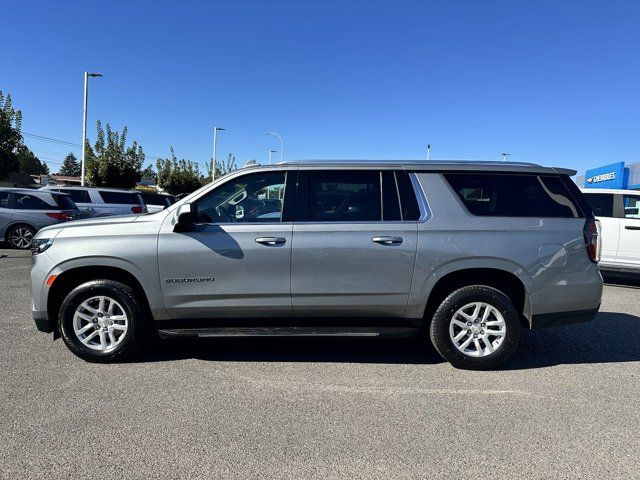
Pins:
x: 439, y: 328
x: 11, y: 234
x: 137, y: 329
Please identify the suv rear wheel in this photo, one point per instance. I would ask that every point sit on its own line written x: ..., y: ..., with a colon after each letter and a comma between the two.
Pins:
x: 476, y: 327
x: 100, y: 321
x: 21, y: 237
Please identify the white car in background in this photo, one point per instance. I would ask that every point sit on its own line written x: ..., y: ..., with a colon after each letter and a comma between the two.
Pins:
x: 619, y: 215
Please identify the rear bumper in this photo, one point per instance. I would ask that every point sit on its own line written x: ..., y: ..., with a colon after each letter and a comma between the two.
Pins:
x: 545, y: 320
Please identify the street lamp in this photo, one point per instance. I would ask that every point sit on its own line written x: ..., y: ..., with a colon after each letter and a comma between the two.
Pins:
x: 84, y: 120
x: 281, y: 144
x: 270, y: 152
x: 504, y: 156
x: 215, y: 143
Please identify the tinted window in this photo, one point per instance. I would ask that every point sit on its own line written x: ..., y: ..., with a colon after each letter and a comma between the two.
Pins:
x: 122, y: 198
x: 251, y: 198
x: 512, y: 195
x: 631, y: 206
x: 152, y: 198
x: 64, y: 202
x: 31, y: 202
x: 78, y: 196
x: 4, y: 199
x: 390, y: 200
x: 601, y: 203
x: 408, y: 201
x: 344, y: 196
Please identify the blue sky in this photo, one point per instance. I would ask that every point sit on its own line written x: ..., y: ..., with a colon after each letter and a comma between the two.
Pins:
x: 553, y: 82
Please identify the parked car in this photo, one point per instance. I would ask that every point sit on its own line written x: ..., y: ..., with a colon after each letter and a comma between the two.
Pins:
x: 469, y: 252
x: 156, y: 201
x: 619, y: 213
x: 23, y: 212
x: 103, y: 202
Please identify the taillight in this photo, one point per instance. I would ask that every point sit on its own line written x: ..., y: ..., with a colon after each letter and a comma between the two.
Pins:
x: 136, y: 209
x: 591, y: 233
x: 62, y: 216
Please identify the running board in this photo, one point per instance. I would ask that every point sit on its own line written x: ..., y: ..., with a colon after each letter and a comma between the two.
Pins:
x: 295, y: 332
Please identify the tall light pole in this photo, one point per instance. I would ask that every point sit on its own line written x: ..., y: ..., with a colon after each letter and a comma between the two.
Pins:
x: 281, y: 144
x: 84, y: 121
x: 428, y: 150
x: 504, y: 156
x: 270, y: 152
x: 215, y: 143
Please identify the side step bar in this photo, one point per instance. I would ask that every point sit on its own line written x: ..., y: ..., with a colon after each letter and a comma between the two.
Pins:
x: 295, y: 332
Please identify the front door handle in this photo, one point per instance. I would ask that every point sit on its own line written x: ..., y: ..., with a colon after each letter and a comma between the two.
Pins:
x: 271, y: 240
x: 631, y: 227
x: 387, y: 240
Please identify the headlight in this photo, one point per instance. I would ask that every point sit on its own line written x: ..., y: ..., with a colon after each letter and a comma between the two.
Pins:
x: 39, y: 245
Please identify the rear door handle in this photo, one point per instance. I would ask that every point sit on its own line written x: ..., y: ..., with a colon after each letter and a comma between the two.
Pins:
x: 630, y: 227
x: 271, y: 240
x: 387, y: 240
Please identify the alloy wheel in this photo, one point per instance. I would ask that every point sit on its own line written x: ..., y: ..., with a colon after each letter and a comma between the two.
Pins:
x: 477, y: 329
x: 100, y: 323
x: 21, y: 237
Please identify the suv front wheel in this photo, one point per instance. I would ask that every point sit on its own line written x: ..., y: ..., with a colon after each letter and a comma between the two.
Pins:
x: 475, y: 327
x: 101, y: 321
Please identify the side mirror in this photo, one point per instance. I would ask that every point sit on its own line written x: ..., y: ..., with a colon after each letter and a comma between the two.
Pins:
x: 184, y: 216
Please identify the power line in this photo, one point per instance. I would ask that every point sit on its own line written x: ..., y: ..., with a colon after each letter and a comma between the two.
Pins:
x: 49, y: 139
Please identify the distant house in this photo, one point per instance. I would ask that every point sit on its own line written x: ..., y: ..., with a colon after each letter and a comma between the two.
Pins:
x: 19, y: 180
x: 60, y: 180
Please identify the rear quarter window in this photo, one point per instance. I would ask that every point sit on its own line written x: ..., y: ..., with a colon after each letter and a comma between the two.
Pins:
x: 121, y: 198
x: 514, y: 195
x: 65, y: 202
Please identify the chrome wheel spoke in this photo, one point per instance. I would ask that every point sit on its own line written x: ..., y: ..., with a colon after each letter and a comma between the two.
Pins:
x: 100, y: 323
x: 477, y: 329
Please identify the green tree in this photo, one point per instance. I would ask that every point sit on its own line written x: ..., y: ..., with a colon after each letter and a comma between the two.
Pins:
x: 29, y: 163
x: 223, y: 167
x: 150, y: 173
x: 70, y: 166
x: 110, y: 162
x: 178, y: 176
x: 10, y: 136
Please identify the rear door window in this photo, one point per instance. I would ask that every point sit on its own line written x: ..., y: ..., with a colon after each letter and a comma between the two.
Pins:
x: 631, y: 206
x: 78, y: 196
x: 121, y: 198
x: 341, y: 196
x: 31, y: 202
x: 601, y: 203
x: 514, y: 195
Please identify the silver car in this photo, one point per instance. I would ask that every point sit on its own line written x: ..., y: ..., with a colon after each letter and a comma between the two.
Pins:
x: 468, y: 252
x: 102, y: 201
x: 23, y: 212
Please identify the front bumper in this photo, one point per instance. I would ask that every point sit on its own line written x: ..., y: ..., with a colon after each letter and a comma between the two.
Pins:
x: 545, y: 320
x: 43, y: 323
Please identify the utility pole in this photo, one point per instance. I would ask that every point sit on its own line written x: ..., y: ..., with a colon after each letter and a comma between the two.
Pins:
x: 428, y: 150
x: 504, y: 156
x: 270, y: 152
x: 215, y: 143
x: 84, y: 122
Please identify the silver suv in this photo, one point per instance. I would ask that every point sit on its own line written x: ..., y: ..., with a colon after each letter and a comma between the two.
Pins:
x: 23, y: 212
x: 103, y: 202
x: 468, y: 251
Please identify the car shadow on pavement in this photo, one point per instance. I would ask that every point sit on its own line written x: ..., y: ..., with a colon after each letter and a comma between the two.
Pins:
x: 323, y: 350
x: 611, y: 337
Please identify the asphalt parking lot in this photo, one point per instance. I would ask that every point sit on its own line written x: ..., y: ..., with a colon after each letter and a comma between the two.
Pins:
x: 565, y: 406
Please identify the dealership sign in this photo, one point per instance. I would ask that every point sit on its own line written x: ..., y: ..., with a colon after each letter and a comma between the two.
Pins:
x: 603, y: 177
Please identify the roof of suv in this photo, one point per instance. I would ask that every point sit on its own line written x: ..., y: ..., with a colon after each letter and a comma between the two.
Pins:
x: 427, y: 165
x: 28, y: 190
x: 609, y: 190
x: 104, y: 189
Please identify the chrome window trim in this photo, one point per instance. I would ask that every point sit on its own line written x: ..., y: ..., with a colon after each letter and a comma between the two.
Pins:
x: 423, y: 205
